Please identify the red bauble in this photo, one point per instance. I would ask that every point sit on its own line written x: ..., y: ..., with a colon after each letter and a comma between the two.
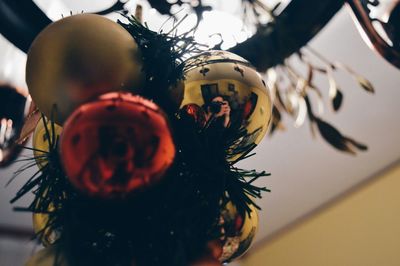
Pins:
x: 115, y: 145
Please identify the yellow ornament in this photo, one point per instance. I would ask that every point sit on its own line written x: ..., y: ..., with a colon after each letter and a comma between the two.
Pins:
x: 41, y: 143
x: 238, y: 232
x: 78, y: 58
x: 230, y: 94
x: 39, y: 222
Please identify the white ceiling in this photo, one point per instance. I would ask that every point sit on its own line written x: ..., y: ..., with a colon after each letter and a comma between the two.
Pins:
x: 306, y: 173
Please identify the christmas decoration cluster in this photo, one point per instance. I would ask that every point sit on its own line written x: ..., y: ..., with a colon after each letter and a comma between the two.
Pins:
x: 136, y: 146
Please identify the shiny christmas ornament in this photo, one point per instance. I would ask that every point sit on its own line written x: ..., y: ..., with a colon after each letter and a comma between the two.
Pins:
x: 41, y: 143
x: 238, y: 232
x: 379, y: 25
x: 12, y: 114
x: 115, y: 145
x: 39, y: 222
x: 231, y: 94
x: 78, y: 58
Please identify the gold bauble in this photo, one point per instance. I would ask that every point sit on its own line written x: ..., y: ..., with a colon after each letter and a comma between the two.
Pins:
x: 39, y: 222
x: 238, y: 232
x: 78, y: 58
x: 40, y: 141
x: 231, y: 94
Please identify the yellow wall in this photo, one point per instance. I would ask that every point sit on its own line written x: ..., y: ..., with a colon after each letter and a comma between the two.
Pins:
x: 361, y: 229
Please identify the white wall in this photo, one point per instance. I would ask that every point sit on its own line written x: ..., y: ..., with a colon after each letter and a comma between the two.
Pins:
x: 14, y: 252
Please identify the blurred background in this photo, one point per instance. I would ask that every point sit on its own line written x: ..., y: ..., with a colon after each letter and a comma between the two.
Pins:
x: 326, y: 207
